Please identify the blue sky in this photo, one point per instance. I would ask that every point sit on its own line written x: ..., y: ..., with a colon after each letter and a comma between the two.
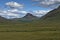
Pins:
x: 19, y: 8
x: 27, y: 5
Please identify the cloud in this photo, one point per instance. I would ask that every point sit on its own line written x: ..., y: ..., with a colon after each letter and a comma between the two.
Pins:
x: 48, y: 3
x: 16, y: 11
x: 35, y: 0
x: 8, y: 15
x: 40, y: 13
x: 14, y: 5
x: 13, y: 13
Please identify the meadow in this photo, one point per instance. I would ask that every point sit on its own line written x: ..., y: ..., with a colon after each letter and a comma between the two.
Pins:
x: 36, y: 30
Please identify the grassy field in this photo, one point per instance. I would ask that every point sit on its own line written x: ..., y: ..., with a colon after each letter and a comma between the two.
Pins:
x: 40, y: 30
x: 39, y: 35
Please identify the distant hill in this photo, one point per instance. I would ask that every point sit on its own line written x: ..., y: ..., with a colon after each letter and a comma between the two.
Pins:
x: 27, y: 17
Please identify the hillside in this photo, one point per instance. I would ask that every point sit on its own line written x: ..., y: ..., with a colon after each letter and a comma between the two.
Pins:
x: 2, y: 19
x: 52, y: 15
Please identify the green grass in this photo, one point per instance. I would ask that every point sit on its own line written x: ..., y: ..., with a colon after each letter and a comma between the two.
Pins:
x: 42, y: 35
x: 40, y: 30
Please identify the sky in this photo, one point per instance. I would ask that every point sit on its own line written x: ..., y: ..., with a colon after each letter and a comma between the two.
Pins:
x: 19, y: 8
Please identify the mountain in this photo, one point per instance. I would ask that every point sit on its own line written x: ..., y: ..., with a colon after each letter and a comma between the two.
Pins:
x: 27, y: 17
x: 52, y: 15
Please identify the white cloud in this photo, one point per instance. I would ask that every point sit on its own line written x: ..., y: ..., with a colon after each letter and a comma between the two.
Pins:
x: 16, y: 11
x: 48, y: 3
x: 8, y: 15
x: 14, y: 4
x: 13, y: 10
x: 13, y: 13
x: 40, y: 13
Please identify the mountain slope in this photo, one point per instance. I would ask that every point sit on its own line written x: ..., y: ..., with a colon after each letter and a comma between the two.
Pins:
x: 2, y: 19
x: 52, y: 15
